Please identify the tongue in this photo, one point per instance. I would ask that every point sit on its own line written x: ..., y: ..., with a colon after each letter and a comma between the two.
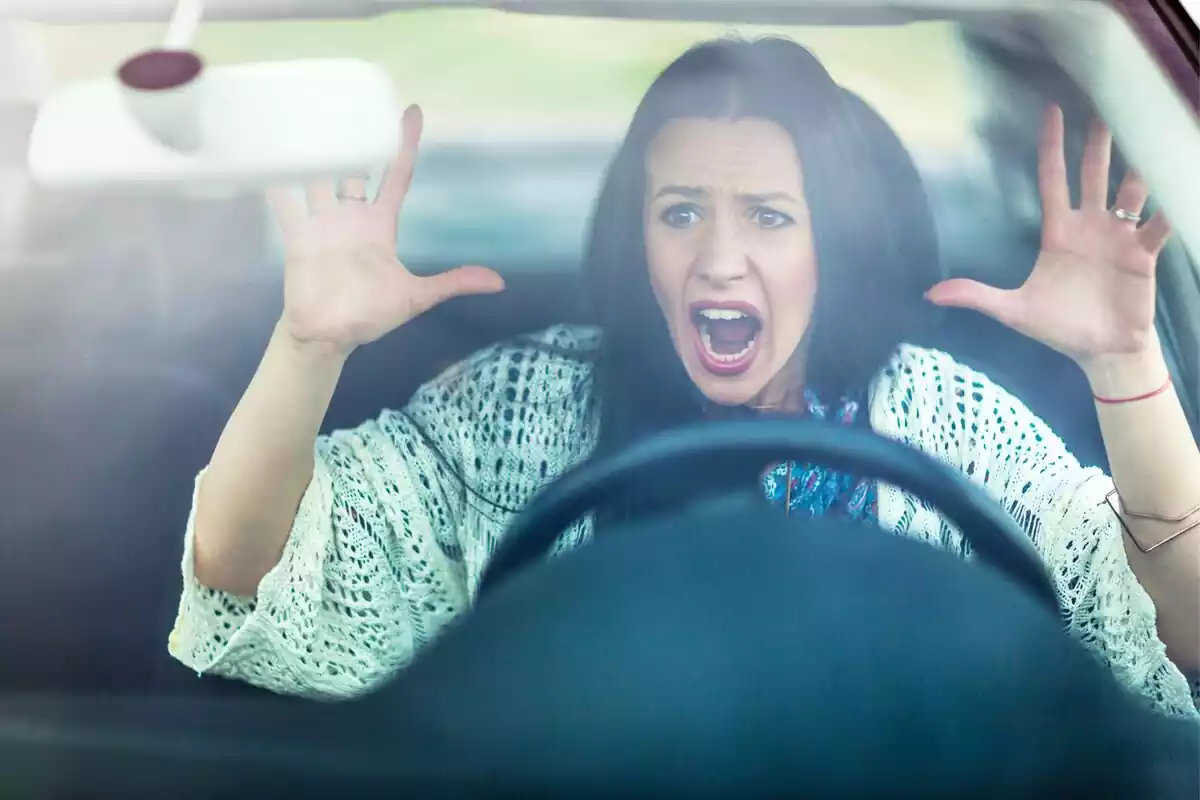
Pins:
x: 730, y: 336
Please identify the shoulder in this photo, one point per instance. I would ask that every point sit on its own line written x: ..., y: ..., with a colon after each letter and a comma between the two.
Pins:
x: 928, y: 374
x: 915, y: 364
x: 924, y: 392
x: 548, y: 358
x: 558, y: 345
x: 923, y: 375
x: 549, y: 368
x: 955, y: 413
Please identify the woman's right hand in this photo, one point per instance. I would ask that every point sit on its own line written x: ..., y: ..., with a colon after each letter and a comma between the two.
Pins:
x: 343, y: 283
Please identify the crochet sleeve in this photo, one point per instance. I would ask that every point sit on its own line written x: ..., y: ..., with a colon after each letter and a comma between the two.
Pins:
x: 384, y: 547
x: 996, y: 440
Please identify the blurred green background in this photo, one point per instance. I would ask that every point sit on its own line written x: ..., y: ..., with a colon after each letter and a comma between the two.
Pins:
x: 481, y: 73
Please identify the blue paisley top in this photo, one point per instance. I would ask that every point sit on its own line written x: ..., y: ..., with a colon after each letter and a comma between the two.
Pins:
x: 814, y: 490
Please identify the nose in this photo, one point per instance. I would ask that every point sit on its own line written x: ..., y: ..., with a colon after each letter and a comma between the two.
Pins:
x: 722, y: 258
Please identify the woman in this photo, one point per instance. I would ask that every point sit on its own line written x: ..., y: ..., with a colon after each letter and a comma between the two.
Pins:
x: 762, y: 244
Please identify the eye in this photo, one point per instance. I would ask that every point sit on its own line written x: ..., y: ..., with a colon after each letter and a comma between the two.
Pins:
x: 681, y: 215
x: 769, y: 218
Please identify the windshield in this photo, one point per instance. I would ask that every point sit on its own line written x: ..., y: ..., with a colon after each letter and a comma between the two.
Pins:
x: 133, y: 323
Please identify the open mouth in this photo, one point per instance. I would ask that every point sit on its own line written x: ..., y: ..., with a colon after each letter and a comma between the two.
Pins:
x: 727, y: 336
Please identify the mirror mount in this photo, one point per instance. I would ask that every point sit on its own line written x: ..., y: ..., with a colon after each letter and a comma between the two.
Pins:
x: 257, y: 124
x: 166, y: 119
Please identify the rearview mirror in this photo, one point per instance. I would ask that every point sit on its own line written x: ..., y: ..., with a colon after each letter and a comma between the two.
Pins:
x: 237, y: 126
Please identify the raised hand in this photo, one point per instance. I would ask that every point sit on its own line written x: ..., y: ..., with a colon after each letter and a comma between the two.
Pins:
x: 1092, y: 290
x: 343, y: 283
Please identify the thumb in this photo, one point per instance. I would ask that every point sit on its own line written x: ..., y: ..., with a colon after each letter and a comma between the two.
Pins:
x: 999, y: 304
x: 460, y: 281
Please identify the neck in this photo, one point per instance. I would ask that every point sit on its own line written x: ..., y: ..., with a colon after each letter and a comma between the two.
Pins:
x: 784, y: 393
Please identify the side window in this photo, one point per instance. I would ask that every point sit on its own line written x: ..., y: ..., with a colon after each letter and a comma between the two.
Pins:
x: 1013, y: 87
x: 1179, y: 323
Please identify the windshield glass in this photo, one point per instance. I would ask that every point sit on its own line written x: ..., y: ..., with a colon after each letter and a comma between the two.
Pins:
x: 133, y: 323
x: 538, y: 104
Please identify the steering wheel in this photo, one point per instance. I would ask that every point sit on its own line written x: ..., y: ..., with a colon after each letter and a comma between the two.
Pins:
x: 727, y: 457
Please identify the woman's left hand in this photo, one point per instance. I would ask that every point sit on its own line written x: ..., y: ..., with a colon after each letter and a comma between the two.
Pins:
x: 1091, y: 293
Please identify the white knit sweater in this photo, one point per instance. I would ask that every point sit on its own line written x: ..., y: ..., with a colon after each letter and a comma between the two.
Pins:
x: 387, y: 546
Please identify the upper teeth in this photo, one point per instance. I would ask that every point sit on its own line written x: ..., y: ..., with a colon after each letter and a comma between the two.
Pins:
x: 722, y: 313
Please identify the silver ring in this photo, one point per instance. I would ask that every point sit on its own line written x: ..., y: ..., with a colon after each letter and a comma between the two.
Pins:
x: 341, y: 195
x: 1126, y: 216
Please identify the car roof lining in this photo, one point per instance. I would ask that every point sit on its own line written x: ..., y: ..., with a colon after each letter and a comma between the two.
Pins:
x: 776, y: 12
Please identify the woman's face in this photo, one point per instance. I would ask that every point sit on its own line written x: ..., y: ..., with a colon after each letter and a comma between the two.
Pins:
x: 729, y: 246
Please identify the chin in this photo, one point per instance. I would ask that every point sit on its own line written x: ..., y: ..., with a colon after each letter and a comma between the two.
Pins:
x: 724, y: 391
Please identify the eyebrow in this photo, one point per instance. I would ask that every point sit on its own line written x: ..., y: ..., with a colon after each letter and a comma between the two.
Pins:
x: 693, y: 192
x: 697, y: 193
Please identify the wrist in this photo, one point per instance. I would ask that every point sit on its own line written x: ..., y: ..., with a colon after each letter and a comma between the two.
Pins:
x: 1127, y: 375
x: 312, y: 352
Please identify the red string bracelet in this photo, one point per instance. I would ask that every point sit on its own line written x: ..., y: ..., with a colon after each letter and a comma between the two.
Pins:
x: 1116, y: 401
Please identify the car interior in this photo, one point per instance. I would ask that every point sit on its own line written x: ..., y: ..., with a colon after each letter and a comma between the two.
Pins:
x: 130, y: 324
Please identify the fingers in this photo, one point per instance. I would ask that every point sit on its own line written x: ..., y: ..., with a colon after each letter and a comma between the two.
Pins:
x: 1097, y: 158
x: 1001, y: 305
x: 286, y: 207
x: 320, y: 197
x: 398, y: 176
x: 1154, y: 234
x: 353, y: 189
x: 437, y: 289
x: 1132, y: 194
x: 1052, y: 165
x: 1131, y: 197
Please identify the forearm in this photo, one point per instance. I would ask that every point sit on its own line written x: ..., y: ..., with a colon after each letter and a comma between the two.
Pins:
x: 1156, y: 470
x: 262, y: 464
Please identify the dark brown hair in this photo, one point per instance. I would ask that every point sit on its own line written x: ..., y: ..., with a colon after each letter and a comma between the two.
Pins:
x: 873, y: 232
